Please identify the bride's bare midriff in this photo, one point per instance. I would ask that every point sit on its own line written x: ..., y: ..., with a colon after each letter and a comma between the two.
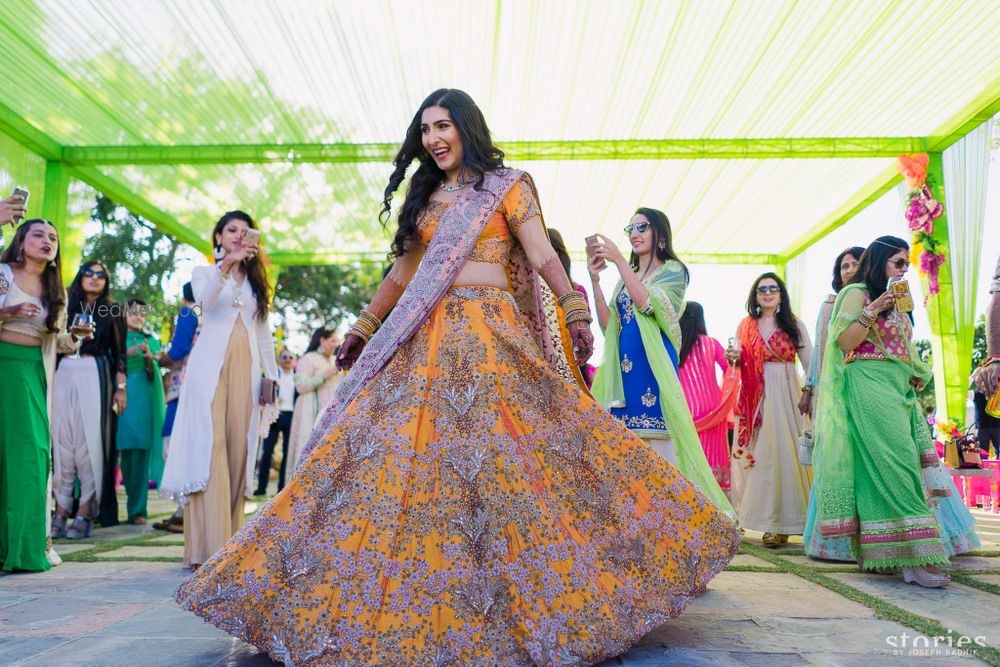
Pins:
x: 481, y: 273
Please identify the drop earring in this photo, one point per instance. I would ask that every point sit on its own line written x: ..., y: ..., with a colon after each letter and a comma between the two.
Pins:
x: 778, y: 309
x: 52, y: 264
x: 218, y: 253
x: 757, y: 310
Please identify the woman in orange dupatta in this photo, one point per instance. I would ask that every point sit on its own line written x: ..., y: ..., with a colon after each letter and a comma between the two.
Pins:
x: 463, y: 500
x: 770, y: 488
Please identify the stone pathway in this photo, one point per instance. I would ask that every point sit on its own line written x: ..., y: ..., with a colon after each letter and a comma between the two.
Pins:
x: 109, y: 605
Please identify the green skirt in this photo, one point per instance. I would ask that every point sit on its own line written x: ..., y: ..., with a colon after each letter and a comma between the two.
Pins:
x: 24, y: 459
x: 888, y: 432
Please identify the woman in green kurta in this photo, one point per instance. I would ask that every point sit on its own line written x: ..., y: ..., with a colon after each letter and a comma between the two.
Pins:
x: 869, y: 479
x: 637, y: 380
x: 140, y: 427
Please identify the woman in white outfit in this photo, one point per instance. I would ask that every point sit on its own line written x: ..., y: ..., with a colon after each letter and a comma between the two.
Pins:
x: 213, y: 448
x: 316, y: 378
x: 89, y: 396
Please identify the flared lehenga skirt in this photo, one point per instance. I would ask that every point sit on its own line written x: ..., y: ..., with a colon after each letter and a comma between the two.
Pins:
x: 470, y: 507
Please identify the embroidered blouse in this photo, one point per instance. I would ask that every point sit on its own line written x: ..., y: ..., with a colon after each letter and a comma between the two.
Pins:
x: 893, y: 332
x: 494, y: 244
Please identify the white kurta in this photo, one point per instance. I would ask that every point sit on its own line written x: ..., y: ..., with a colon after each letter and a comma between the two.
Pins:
x: 187, y: 466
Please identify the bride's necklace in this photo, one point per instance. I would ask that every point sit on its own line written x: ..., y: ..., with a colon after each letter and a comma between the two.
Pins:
x: 453, y: 188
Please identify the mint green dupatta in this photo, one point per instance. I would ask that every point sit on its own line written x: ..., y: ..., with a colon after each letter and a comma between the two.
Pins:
x: 833, y: 455
x: 666, y: 288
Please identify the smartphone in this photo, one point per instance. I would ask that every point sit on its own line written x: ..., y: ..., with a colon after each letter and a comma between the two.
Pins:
x: 592, y: 242
x: 23, y: 193
x: 901, y: 292
x: 252, y: 237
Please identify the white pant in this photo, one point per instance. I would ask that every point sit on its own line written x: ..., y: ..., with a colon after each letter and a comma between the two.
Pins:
x: 76, y: 430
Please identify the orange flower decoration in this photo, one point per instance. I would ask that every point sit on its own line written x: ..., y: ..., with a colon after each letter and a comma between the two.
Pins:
x: 913, y: 167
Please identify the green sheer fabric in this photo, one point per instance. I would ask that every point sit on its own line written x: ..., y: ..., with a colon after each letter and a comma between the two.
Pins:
x: 834, y: 457
x: 666, y: 286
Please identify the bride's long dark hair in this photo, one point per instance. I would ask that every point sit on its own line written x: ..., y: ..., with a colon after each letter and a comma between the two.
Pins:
x: 479, y: 155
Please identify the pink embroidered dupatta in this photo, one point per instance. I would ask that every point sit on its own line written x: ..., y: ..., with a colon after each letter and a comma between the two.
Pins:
x: 449, y: 250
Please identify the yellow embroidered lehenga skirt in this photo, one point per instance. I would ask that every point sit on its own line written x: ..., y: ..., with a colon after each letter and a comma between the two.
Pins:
x: 470, y: 507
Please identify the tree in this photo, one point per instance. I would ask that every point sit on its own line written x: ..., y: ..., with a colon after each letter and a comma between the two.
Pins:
x: 325, y: 295
x: 139, y: 256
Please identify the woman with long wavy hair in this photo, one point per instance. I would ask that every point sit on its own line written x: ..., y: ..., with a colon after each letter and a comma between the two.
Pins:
x: 462, y: 500
x: 90, y: 392
x: 638, y: 379
x: 881, y: 495
x: 32, y: 317
x: 213, y: 445
x: 770, y: 488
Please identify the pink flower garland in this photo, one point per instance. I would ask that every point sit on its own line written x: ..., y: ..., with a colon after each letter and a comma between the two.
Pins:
x: 921, y: 213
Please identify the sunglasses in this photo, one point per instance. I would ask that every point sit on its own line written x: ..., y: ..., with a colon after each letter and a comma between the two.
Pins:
x: 285, y: 357
x: 764, y: 289
x: 91, y: 273
x: 640, y: 227
x: 900, y: 263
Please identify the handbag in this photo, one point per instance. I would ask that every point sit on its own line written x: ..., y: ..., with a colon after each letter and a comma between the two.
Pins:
x: 806, y: 447
x: 268, y: 391
x: 963, y: 451
x: 968, y: 449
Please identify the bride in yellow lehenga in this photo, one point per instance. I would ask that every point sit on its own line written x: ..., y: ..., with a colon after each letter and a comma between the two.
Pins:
x: 463, y: 500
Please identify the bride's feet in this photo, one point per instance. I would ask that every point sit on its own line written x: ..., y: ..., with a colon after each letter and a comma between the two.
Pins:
x: 928, y: 577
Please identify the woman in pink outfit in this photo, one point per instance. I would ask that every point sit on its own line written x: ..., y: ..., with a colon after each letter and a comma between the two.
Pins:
x: 710, y: 404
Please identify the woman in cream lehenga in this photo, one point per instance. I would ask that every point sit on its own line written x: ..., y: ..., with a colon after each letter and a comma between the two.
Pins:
x: 462, y: 500
x: 770, y: 487
x: 316, y: 378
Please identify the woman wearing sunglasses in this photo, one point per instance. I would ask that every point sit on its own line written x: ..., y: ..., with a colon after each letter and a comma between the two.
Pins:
x: 875, y: 455
x: 89, y: 395
x: 637, y: 380
x: 770, y: 488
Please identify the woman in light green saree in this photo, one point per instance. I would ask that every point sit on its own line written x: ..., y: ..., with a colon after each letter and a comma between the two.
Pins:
x: 870, y: 483
x: 637, y: 380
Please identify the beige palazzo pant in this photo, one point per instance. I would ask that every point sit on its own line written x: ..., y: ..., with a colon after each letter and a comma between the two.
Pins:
x: 215, y: 514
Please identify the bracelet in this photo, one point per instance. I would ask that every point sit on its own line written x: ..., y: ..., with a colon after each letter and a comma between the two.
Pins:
x: 122, y: 385
x: 866, y: 318
x: 574, y: 307
x: 365, y: 326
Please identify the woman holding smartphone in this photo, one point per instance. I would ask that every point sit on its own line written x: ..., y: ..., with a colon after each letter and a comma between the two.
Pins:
x: 90, y: 391
x: 876, y: 466
x: 213, y: 445
x: 455, y: 463
x: 32, y: 316
x: 638, y: 379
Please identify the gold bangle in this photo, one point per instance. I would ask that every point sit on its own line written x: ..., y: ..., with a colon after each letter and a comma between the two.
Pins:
x: 366, y: 326
x: 578, y: 316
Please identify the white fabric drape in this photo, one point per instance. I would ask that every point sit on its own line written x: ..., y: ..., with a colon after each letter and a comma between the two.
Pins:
x: 966, y: 174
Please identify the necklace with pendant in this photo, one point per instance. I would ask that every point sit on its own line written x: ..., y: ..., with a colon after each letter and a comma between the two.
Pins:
x: 453, y: 188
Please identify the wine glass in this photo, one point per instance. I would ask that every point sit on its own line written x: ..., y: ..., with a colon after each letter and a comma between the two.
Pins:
x: 83, y: 325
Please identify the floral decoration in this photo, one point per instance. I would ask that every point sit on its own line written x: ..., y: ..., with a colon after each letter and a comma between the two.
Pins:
x: 921, y: 212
